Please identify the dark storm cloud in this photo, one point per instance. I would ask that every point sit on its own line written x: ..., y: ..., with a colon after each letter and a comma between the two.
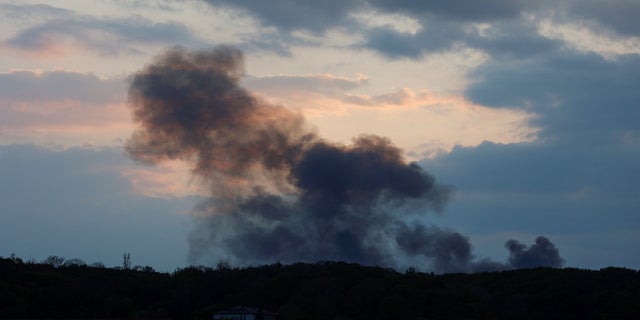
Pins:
x: 543, y: 253
x: 28, y: 86
x: 621, y: 16
x: 108, y: 36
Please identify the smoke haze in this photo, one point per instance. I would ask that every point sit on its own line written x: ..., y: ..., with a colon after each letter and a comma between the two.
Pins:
x: 278, y: 192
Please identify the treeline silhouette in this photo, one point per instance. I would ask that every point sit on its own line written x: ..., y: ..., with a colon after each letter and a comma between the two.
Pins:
x: 59, y: 288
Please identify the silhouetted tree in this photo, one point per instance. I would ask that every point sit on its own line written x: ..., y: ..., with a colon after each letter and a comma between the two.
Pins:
x: 54, y: 261
x: 126, y: 261
x: 74, y: 263
x: 326, y: 290
x: 223, y: 265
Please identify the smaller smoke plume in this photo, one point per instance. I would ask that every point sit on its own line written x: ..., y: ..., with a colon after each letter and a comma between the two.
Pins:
x: 449, y: 251
x: 543, y: 253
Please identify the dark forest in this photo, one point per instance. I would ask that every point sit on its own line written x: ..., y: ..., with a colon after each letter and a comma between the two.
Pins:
x: 59, y: 288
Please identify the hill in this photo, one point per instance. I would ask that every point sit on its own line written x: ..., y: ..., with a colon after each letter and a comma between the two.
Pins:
x: 324, y: 290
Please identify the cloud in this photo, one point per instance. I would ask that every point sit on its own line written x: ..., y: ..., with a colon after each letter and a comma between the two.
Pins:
x: 442, y: 27
x: 38, y: 86
x: 105, y: 35
x: 620, y: 16
x: 394, y: 44
x: 500, y: 40
x: 420, y: 121
x: 319, y: 17
x: 26, y: 13
x: 571, y: 188
x: 579, y: 177
x: 589, y: 39
x: 579, y: 94
x: 61, y: 107
x: 296, y: 15
x: 162, y: 5
x: 511, y: 40
x: 309, y: 83
x: 169, y: 180
x: 461, y: 10
x: 502, y: 29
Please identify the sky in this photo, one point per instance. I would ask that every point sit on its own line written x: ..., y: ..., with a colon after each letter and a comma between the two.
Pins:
x: 525, y: 112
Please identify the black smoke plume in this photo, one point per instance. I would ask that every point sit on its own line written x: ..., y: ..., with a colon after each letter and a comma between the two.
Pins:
x: 278, y: 192
x: 543, y: 253
x: 451, y: 250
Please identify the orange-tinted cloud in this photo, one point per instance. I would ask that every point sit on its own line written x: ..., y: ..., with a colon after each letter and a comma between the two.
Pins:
x: 420, y: 121
x: 62, y: 108
x: 167, y: 180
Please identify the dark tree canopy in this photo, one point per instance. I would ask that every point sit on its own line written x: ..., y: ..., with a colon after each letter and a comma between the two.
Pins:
x: 324, y: 290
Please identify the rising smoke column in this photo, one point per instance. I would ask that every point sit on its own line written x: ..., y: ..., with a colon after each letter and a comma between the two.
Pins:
x: 278, y: 192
